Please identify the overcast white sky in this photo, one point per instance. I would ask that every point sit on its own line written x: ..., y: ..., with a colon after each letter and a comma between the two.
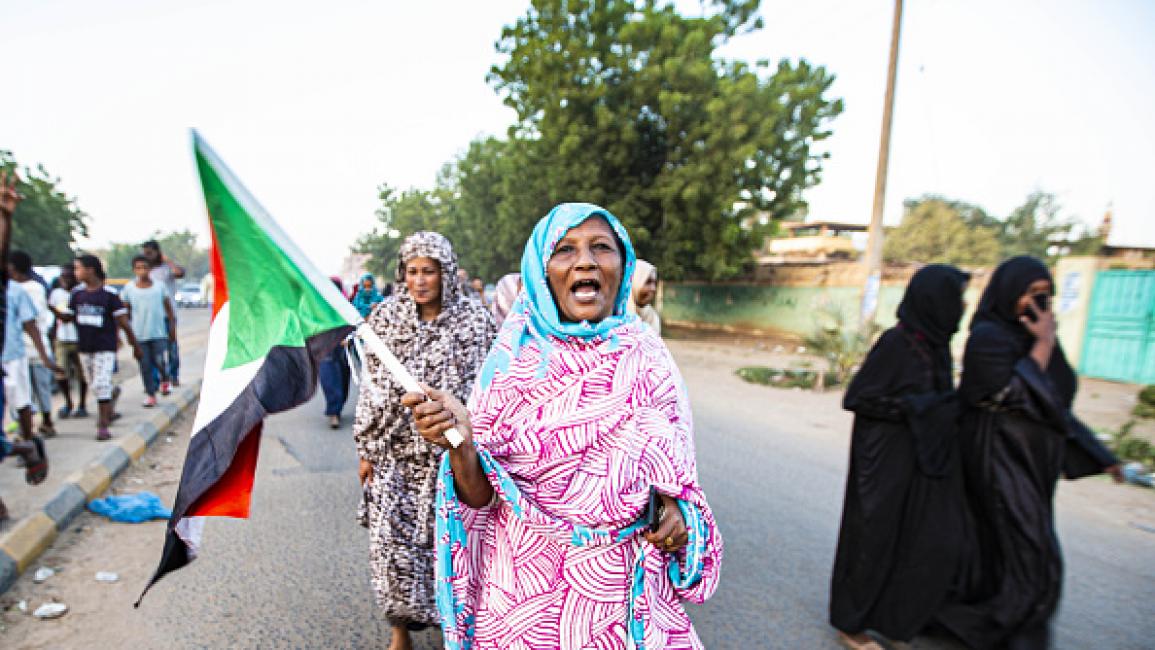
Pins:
x: 315, y: 104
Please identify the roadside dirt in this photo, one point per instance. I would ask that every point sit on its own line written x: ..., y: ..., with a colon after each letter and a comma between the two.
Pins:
x: 91, y: 544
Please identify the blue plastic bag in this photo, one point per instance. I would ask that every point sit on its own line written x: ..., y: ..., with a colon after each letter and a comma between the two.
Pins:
x: 131, y: 508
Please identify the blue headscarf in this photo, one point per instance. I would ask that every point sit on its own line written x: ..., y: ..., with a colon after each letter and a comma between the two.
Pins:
x: 536, y: 302
x: 364, y: 300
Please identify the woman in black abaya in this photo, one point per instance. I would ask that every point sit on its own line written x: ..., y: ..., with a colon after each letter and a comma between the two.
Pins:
x: 902, y: 520
x: 1018, y: 434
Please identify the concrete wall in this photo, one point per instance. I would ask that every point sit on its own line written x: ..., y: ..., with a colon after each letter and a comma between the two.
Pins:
x: 786, y: 311
x: 1074, y: 280
x: 771, y: 310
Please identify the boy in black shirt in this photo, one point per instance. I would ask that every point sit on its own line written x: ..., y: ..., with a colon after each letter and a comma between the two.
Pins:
x: 98, y: 313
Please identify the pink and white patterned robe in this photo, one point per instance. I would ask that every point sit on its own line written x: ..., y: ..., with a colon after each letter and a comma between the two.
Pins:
x: 572, y: 454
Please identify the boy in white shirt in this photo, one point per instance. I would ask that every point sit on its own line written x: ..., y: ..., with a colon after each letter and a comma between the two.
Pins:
x: 149, y: 307
x: 67, y: 354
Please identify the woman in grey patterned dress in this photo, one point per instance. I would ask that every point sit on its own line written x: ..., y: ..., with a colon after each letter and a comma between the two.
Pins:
x: 442, y: 337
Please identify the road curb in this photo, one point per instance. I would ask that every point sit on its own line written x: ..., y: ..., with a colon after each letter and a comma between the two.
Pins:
x: 32, y: 535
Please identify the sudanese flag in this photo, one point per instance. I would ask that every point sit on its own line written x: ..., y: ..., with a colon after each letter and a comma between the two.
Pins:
x: 274, y: 318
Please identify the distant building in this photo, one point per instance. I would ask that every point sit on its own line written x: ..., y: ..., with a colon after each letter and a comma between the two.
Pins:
x: 810, y: 242
x: 1122, y: 253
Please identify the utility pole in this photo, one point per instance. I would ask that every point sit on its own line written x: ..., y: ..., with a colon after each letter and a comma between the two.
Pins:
x: 873, y: 257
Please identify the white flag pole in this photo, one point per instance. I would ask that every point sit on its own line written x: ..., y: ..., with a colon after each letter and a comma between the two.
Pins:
x: 378, y: 348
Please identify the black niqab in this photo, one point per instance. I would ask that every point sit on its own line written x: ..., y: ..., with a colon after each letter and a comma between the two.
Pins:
x: 932, y: 304
x: 1009, y: 282
x: 999, y: 339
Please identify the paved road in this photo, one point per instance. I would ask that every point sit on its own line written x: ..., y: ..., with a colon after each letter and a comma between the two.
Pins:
x: 773, y: 464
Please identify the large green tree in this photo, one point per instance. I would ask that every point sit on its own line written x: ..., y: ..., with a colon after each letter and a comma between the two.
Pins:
x: 48, y: 222
x: 1036, y: 227
x: 624, y: 104
x: 936, y: 230
x: 400, y: 214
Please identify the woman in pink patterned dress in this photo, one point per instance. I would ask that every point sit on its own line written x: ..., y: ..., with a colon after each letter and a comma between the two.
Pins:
x: 542, y: 539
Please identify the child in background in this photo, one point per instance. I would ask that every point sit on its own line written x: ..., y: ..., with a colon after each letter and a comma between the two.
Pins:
x: 67, y: 356
x: 149, y: 305
x: 40, y: 376
x: 97, y: 314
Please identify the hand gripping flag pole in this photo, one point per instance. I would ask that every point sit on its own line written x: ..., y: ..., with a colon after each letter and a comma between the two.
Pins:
x: 378, y: 348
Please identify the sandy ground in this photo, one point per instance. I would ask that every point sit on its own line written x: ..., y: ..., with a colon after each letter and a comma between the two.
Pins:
x: 100, y: 614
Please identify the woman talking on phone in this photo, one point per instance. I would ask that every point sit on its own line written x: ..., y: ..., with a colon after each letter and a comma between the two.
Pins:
x: 1018, y: 435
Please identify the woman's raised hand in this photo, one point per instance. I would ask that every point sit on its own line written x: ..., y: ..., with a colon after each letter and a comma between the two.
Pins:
x: 9, y: 196
x: 1044, y: 326
x: 671, y: 535
x: 436, y: 412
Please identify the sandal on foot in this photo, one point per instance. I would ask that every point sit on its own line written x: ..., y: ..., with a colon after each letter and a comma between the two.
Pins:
x: 103, y: 434
x: 47, y: 430
x: 858, y: 642
x: 37, y: 468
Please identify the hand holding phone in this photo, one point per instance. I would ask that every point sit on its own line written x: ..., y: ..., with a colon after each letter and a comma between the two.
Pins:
x: 668, y: 533
x: 1038, y: 319
x: 654, y: 510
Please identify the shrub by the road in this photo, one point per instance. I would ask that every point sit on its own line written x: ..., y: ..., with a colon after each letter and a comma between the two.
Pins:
x: 1130, y: 447
x: 1146, y: 406
x: 786, y: 377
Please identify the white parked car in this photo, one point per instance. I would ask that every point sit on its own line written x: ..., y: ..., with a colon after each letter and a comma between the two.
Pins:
x: 189, y: 295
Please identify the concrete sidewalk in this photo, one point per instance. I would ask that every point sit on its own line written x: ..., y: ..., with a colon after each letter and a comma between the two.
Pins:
x: 80, y: 467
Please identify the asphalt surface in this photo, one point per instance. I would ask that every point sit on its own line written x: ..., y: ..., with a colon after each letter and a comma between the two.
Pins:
x: 772, y: 462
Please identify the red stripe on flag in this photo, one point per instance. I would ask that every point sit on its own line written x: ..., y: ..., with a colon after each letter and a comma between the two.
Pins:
x: 217, y: 268
x: 231, y: 494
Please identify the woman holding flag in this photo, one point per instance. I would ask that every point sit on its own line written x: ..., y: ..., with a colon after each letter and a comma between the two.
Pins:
x: 442, y: 337
x: 571, y: 516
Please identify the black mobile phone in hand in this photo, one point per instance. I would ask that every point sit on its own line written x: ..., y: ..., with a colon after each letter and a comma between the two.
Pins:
x: 1031, y: 314
x: 654, y: 510
x: 1042, y: 301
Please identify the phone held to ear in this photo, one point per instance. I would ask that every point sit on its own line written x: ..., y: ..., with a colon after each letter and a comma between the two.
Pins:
x: 1042, y: 302
x: 654, y: 510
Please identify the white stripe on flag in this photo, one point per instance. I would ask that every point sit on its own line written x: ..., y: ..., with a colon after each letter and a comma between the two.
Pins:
x: 221, y: 387
x: 191, y: 530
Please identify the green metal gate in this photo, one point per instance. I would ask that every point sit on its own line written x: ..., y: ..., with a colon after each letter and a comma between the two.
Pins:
x: 1120, y: 343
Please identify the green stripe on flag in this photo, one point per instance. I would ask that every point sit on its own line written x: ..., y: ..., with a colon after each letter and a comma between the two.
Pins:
x: 271, y: 301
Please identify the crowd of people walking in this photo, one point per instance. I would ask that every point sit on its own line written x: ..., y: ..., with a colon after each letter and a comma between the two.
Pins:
x: 67, y: 332
x: 571, y: 515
